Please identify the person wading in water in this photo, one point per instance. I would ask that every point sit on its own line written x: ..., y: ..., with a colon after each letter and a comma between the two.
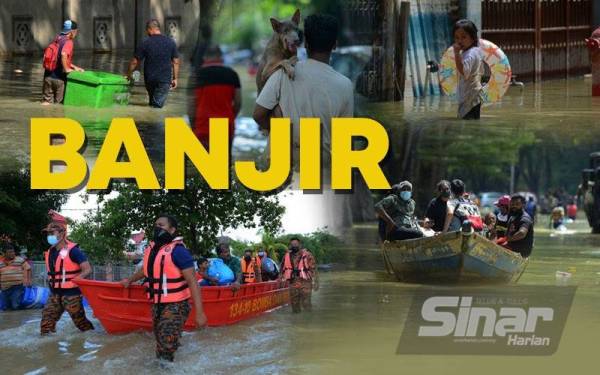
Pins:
x: 169, y: 271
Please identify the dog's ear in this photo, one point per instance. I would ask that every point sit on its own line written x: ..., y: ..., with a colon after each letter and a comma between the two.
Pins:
x: 296, y: 17
x: 276, y: 25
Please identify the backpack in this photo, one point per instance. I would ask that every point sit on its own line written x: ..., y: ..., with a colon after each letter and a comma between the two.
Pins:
x: 52, y: 52
x: 466, y: 210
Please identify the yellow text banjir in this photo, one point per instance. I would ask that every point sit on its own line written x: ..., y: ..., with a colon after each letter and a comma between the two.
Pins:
x: 181, y: 143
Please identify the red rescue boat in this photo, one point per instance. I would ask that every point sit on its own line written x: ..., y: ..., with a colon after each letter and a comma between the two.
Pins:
x: 122, y: 310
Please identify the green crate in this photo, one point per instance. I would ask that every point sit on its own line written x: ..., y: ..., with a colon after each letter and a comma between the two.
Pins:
x: 96, y: 89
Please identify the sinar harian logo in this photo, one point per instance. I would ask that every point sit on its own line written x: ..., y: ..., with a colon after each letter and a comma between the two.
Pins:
x: 460, y: 319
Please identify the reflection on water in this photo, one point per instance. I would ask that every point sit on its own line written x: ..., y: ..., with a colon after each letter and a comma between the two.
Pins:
x: 546, y: 131
x: 20, y: 95
x: 355, y: 327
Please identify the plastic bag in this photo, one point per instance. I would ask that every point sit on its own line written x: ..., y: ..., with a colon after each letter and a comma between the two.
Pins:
x: 220, y: 271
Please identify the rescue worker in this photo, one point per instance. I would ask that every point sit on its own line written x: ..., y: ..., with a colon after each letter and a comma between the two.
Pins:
x: 65, y: 264
x: 250, y: 268
x: 169, y: 272
x: 502, y: 215
x: 461, y: 209
x: 300, y: 270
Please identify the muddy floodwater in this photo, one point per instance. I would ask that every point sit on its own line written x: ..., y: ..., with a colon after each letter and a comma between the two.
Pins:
x: 359, y: 312
x: 355, y: 328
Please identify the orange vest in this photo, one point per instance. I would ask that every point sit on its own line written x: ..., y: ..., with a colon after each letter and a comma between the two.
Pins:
x: 248, y: 270
x: 63, y: 270
x: 302, y: 271
x: 168, y: 284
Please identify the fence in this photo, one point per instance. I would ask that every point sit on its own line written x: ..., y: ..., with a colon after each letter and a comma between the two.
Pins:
x: 542, y: 38
x: 107, y: 272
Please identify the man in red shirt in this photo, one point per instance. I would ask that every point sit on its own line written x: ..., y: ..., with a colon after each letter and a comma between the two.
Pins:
x: 217, y: 94
x: 55, y: 80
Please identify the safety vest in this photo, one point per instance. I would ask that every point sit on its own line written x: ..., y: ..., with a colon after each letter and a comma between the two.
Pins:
x: 63, y: 270
x: 302, y: 271
x: 167, y: 284
x: 248, y: 270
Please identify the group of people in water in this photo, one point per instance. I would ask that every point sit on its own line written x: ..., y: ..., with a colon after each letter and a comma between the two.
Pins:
x: 171, y: 277
x: 452, y: 210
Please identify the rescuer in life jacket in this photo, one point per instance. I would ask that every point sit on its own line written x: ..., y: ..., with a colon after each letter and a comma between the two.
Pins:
x: 250, y: 268
x: 171, y: 281
x: 65, y: 264
x: 300, y: 270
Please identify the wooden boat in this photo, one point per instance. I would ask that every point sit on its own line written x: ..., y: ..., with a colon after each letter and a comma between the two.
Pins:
x: 452, y: 258
x: 122, y: 310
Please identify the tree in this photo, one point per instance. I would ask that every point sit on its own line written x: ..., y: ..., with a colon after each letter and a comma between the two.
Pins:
x: 24, y: 212
x: 201, y: 213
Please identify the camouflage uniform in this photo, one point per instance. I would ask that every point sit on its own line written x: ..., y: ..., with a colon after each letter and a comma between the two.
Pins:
x: 167, y: 323
x: 55, y: 307
x: 301, y: 290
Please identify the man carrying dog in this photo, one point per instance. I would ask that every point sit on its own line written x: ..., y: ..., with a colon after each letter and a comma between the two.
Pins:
x: 317, y: 90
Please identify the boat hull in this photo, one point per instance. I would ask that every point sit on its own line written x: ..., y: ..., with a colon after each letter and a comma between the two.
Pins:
x: 122, y: 310
x: 452, y: 257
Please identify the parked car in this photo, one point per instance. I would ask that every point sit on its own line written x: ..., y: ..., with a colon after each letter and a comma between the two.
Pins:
x: 487, y: 200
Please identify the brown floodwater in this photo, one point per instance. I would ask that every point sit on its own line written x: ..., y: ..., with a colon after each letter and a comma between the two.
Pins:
x: 359, y: 312
x: 355, y: 327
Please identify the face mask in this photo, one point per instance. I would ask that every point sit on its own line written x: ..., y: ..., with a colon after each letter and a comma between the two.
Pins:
x: 445, y: 194
x: 52, y: 239
x: 161, y: 235
x: 294, y: 248
x: 247, y: 258
x: 405, y: 195
x: 261, y: 254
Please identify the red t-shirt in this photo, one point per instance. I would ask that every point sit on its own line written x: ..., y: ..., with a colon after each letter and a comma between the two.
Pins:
x: 214, y: 93
x: 572, y: 210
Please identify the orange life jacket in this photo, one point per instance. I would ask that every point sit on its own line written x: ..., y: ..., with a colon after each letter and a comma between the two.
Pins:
x: 63, y: 270
x: 248, y: 270
x: 302, y: 271
x: 167, y: 284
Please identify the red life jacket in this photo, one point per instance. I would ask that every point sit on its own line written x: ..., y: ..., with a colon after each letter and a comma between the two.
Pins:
x: 63, y: 270
x: 248, y: 270
x: 302, y: 271
x: 167, y: 284
x: 52, y: 52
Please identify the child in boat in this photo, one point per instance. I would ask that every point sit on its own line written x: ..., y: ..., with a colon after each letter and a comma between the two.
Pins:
x: 202, y: 273
x: 489, y: 229
x: 469, y: 65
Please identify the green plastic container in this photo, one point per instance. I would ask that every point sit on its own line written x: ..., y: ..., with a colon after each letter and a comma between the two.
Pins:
x: 96, y: 89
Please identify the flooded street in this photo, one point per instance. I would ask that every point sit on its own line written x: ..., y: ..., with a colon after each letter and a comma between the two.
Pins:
x: 359, y: 312
x: 20, y: 97
x: 355, y: 328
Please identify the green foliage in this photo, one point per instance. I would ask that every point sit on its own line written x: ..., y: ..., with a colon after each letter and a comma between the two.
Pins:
x: 324, y: 246
x: 201, y: 213
x: 244, y: 23
x: 24, y: 212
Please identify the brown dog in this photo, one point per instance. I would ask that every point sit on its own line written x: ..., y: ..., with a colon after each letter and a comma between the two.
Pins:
x: 281, y: 49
